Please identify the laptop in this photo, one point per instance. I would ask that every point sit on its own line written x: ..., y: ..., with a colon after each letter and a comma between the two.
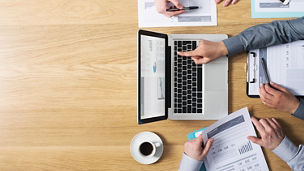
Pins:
x: 173, y: 86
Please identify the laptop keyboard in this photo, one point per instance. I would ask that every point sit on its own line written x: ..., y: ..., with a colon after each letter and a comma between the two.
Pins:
x: 187, y: 80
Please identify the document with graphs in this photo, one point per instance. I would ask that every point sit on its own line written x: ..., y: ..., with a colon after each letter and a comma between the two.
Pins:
x: 205, y: 15
x: 231, y: 150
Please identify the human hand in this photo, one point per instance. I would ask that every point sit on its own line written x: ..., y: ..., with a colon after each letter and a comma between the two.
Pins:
x: 162, y: 5
x: 227, y: 2
x: 279, y: 98
x: 271, y: 133
x: 206, y: 51
x: 194, y: 149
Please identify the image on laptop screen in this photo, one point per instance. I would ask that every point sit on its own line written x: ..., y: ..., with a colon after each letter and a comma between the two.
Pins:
x: 152, y: 81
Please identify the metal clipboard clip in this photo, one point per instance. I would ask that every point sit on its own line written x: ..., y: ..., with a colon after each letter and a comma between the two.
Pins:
x: 252, y: 67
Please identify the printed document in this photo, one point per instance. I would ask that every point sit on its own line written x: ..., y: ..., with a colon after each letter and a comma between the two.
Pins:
x: 205, y: 15
x: 231, y: 150
x: 276, y: 9
x: 285, y: 66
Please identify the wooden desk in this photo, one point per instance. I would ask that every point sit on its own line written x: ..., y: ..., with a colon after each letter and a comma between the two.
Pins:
x: 68, y: 86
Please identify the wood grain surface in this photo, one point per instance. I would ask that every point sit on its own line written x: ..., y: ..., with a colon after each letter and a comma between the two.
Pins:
x: 68, y: 86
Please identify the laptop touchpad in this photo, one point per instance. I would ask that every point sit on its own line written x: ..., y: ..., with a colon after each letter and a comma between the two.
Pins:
x: 216, y: 76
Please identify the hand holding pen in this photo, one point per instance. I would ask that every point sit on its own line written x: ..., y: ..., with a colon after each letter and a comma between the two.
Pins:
x: 185, y: 9
x: 163, y: 5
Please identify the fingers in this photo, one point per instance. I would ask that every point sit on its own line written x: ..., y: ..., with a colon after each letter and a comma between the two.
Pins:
x: 218, y: 1
x: 258, y: 125
x: 270, y: 90
x: 264, y: 94
x: 188, y: 53
x: 207, y: 147
x: 199, y: 60
x: 162, y: 6
x: 266, y: 125
x: 235, y: 1
x: 272, y: 124
x: 177, y: 4
x: 256, y: 140
x: 279, y: 87
x: 227, y: 2
x: 277, y: 123
x: 279, y: 127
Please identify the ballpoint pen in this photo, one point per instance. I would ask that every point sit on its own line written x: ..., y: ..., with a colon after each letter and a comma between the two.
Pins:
x: 265, y: 70
x: 185, y: 8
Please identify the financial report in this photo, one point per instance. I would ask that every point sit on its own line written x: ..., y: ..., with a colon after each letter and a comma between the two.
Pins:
x: 231, y: 150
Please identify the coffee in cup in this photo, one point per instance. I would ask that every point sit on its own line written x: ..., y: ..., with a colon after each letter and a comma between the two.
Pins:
x: 148, y: 149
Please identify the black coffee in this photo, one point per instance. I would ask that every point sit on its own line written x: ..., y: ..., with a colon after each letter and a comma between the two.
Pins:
x: 146, y: 148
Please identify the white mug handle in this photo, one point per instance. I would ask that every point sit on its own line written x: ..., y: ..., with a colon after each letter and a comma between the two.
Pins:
x: 157, y: 144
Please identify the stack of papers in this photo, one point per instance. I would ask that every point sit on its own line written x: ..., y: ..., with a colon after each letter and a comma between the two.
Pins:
x: 204, y: 16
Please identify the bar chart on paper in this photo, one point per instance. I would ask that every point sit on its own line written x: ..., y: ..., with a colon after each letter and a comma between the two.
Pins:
x: 245, y: 148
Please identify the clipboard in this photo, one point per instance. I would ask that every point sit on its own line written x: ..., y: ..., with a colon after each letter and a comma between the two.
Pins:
x: 289, y: 56
x: 252, y: 72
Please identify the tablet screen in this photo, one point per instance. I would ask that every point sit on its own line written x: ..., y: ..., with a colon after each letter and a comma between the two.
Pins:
x: 152, y: 76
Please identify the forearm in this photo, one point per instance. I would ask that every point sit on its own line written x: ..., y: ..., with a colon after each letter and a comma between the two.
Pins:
x: 265, y: 35
x: 300, y: 111
x: 293, y: 155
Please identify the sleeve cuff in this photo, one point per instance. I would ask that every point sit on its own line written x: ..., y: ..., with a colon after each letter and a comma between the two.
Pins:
x: 286, y: 150
x: 300, y: 111
x: 234, y: 45
x: 190, y: 164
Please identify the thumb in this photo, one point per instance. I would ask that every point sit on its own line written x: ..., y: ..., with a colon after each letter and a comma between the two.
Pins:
x: 207, y: 147
x: 255, y: 140
x: 199, y: 139
x: 177, y: 4
x: 188, y: 53
x: 277, y: 86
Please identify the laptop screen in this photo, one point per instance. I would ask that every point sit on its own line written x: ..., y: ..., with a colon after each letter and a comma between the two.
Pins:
x: 152, y: 76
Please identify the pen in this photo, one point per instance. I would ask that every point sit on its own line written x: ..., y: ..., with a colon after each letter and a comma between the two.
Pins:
x: 285, y: 2
x: 185, y: 8
x: 265, y: 70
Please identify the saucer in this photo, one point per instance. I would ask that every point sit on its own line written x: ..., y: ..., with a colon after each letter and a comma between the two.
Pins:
x: 143, y: 137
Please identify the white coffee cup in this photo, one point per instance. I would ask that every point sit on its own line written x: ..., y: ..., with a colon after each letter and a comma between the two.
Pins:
x: 148, y: 148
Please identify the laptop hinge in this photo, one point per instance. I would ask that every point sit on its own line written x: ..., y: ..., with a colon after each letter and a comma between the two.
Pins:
x: 170, y: 112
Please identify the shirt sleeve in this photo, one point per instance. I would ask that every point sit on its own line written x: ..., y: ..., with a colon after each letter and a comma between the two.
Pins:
x: 300, y: 111
x: 190, y: 164
x: 265, y: 35
x: 293, y: 155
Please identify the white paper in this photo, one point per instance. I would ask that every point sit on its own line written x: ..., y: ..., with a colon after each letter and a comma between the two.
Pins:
x: 285, y: 65
x: 204, y: 16
x: 277, y: 6
x: 231, y: 150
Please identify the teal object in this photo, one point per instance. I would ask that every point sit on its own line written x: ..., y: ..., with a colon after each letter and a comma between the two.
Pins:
x: 273, y: 14
x: 154, y: 67
x: 191, y: 136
